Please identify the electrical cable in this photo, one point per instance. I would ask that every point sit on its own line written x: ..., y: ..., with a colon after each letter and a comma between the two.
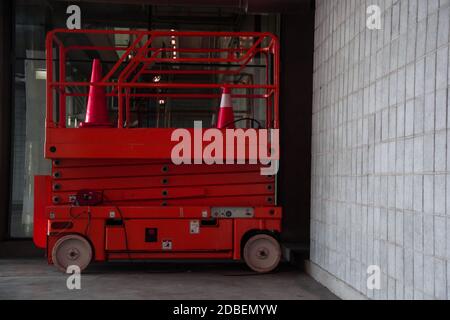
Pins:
x: 86, y: 231
x: 88, y: 225
x: 245, y: 119
x: 123, y: 225
x: 73, y: 218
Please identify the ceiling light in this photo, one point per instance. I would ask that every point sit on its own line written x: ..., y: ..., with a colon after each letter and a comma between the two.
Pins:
x: 41, y: 74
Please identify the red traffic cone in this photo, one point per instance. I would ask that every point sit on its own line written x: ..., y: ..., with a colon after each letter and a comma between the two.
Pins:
x: 225, y: 120
x: 96, y: 111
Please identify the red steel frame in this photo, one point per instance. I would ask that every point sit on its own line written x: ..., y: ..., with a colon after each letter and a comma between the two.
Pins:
x: 141, y: 56
x: 90, y: 158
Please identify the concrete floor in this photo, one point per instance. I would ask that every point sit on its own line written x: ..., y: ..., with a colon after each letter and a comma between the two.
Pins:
x: 34, y: 279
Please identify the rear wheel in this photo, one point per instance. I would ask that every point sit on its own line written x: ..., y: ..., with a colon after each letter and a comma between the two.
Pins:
x: 71, y: 250
x: 262, y: 253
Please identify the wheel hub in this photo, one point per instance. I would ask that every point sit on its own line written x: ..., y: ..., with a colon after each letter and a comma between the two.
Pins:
x: 73, y: 254
x: 262, y: 253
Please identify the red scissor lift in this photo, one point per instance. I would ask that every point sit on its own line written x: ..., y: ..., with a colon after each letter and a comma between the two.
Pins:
x: 114, y: 193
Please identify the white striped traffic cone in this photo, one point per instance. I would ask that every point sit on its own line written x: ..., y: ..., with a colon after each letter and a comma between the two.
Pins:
x: 225, y: 120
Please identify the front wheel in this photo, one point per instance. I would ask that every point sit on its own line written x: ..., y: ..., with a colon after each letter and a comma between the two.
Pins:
x: 262, y: 253
x: 71, y: 250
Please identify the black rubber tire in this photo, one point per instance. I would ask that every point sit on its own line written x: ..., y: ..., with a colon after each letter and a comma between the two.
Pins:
x: 262, y: 253
x: 71, y: 249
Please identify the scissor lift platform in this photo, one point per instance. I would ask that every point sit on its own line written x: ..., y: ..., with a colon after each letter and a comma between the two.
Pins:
x: 114, y: 192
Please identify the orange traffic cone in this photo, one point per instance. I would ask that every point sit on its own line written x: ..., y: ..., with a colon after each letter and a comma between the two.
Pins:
x: 96, y: 111
x: 225, y: 120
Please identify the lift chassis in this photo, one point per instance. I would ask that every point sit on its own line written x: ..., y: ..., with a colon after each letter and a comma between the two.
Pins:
x: 115, y: 194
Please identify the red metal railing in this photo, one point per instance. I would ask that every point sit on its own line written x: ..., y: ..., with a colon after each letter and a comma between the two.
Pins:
x: 125, y: 81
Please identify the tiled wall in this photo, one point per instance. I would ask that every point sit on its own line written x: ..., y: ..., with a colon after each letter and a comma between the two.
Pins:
x: 380, y: 176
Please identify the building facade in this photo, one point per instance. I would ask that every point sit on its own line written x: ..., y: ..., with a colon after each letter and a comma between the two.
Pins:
x: 380, y: 176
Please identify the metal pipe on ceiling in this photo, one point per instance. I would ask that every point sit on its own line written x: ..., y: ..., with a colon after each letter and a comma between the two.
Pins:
x: 247, y: 6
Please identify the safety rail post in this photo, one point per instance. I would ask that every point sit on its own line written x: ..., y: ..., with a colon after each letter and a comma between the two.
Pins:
x: 62, y: 89
x: 49, y: 79
x: 276, y: 82
x: 127, y: 108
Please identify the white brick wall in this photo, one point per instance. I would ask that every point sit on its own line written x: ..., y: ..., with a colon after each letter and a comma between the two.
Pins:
x: 380, y: 162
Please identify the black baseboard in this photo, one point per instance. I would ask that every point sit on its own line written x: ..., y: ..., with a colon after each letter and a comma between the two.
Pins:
x: 20, y: 249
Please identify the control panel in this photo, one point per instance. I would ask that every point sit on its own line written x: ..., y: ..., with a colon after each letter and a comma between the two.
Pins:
x: 232, y: 212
